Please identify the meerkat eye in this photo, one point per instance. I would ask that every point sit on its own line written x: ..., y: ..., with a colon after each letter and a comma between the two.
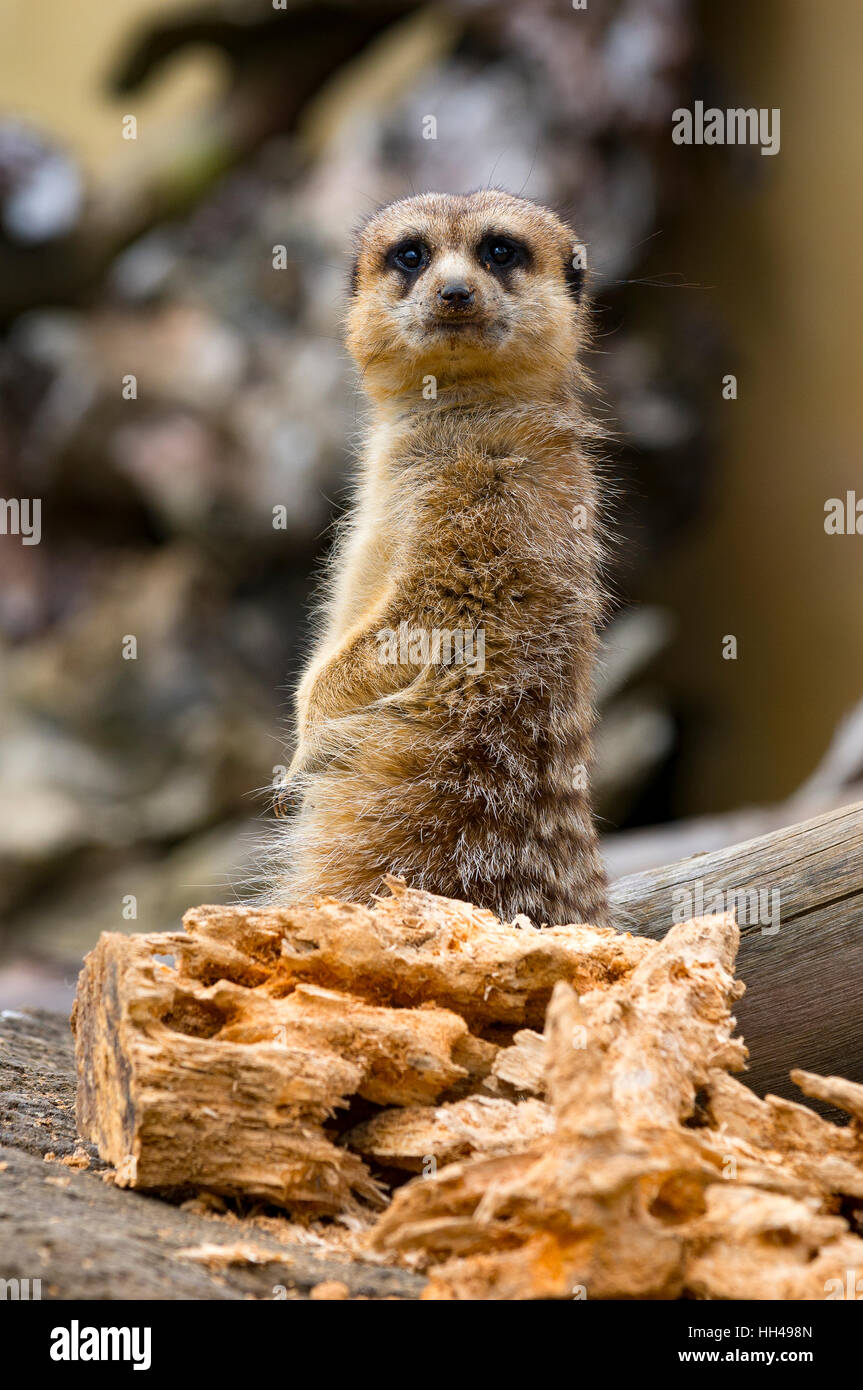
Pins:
x: 410, y: 256
x: 501, y: 253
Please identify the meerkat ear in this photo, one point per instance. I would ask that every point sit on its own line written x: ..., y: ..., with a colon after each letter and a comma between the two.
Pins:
x: 575, y: 269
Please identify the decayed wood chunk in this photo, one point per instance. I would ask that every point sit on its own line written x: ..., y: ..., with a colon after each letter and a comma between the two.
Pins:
x: 409, y: 949
x: 663, y: 1175
x: 521, y: 1067
x: 580, y: 1210
x: 787, y: 1136
x: 172, y: 1106
x: 754, y: 1244
x: 223, y: 1066
x: 224, y: 1088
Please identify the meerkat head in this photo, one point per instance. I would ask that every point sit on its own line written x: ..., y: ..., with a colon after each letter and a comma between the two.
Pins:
x: 479, y: 291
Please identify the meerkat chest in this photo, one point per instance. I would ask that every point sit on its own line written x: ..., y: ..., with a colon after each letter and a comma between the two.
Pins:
x: 483, y: 545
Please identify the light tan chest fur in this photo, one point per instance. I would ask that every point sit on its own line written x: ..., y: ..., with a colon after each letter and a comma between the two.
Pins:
x: 475, y: 524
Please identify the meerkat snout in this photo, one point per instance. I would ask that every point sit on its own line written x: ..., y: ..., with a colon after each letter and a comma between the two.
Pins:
x: 451, y: 289
x: 456, y: 295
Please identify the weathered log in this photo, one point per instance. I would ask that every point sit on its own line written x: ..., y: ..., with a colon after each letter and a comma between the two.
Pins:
x: 803, y: 1005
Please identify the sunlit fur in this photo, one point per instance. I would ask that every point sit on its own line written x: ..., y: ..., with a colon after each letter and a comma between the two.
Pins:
x: 467, y: 515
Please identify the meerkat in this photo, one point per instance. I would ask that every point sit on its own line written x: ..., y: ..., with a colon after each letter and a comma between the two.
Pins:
x: 443, y: 723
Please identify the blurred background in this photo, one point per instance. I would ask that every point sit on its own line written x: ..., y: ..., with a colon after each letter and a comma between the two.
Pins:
x: 178, y: 185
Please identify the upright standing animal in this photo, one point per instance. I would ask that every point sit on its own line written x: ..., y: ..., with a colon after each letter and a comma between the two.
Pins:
x: 444, y: 720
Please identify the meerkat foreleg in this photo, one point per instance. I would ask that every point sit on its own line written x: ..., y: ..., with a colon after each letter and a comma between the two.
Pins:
x: 347, y: 679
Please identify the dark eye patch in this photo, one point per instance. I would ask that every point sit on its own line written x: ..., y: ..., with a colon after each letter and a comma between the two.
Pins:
x: 500, y: 253
x: 410, y: 256
x: 574, y: 272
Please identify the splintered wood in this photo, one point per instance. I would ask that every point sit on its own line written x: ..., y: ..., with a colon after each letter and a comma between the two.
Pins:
x: 316, y: 1058
x: 664, y: 1175
x: 245, y: 1055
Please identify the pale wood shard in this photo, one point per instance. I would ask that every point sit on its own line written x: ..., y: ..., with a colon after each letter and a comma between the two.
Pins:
x: 241, y: 1252
x: 409, y: 1138
x: 835, y: 1090
x: 521, y: 1067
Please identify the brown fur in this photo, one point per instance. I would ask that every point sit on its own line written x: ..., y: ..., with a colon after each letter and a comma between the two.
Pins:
x: 467, y: 782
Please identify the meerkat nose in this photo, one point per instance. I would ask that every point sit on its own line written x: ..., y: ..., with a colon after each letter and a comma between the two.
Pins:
x: 456, y: 294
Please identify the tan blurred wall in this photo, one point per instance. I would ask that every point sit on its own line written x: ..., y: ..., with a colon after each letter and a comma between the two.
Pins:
x: 784, y: 258
x: 55, y: 56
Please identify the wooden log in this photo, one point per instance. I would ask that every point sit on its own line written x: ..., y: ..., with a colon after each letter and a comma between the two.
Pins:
x: 803, y: 968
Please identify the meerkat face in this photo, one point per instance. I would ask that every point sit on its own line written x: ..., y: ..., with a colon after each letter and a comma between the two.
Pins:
x: 480, y: 289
